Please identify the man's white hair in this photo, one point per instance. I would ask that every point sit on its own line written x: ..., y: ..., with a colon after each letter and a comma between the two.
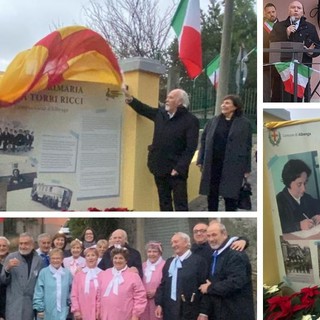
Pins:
x: 124, y: 234
x: 184, y: 98
x: 43, y: 236
x: 185, y: 237
x: 6, y: 240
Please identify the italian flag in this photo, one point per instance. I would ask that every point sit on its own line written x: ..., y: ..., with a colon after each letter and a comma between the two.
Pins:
x: 286, y: 71
x: 186, y: 24
x: 213, y: 71
x: 268, y: 26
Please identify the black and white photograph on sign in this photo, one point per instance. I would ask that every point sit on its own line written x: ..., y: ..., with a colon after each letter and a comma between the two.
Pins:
x: 296, y: 183
x: 50, y: 195
x: 297, y: 260
x: 17, y: 172
x: 15, y: 138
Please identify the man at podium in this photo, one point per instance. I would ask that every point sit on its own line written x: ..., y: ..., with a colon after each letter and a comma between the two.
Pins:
x: 295, y: 29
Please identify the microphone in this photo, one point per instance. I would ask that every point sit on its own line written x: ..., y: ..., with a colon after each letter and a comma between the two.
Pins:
x: 293, y: 20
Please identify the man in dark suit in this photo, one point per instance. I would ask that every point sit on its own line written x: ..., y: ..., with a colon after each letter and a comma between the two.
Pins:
x: 270, y: 18
x: 6, y: 138
x: 228, y: 293
x: 178, y: 296
x: 202, y: 247
x: 175, y: 141
x: 120, y: 239
x: 295, y: 29
x: 20, y: 273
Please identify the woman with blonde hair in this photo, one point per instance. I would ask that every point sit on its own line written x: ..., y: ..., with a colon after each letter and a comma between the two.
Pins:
x: 102, y: 247
x: 152, y: 274
x: 85, y: 289
x: 76, y: 262
x: 51, y: 297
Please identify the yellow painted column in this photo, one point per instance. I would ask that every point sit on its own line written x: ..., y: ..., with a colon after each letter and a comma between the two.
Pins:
x: 271, y: 274
x: 138, y: 190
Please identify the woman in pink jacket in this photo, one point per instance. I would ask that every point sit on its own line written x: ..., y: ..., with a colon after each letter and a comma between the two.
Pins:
x: 85, y: 290
x: 76, y: 262
x: 122, y: 294
x: 152, y: 274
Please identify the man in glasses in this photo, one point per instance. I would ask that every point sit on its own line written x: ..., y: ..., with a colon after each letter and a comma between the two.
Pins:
x: 202, y: 247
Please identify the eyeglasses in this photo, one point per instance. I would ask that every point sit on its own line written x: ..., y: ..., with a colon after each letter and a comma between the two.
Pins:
x: 200, y: 231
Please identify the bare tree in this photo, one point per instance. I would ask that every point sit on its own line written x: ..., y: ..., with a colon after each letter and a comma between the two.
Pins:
x: 132, y: 27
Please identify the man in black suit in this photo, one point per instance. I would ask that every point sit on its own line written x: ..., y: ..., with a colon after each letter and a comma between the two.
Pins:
x: 295, y: 29
x: 228, y: 292
x: 120, y: 239
x: 269, y: 19
x: 175, y: 141
x: 178, y: 296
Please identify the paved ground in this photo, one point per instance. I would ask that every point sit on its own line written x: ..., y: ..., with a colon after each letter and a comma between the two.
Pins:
x: 200, y: 203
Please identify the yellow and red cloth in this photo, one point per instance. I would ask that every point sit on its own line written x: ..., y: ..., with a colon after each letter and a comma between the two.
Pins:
x: 71, y: 53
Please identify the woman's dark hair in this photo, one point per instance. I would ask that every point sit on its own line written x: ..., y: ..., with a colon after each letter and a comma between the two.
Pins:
x: 123, y: 251
x: 236, y: 100
x: 15, y: 170
x: 293, y: 170
x: 59, y: 235
x: 84, y: 233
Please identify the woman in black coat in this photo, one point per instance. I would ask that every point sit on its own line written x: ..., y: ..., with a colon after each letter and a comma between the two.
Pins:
x: 225, y: 154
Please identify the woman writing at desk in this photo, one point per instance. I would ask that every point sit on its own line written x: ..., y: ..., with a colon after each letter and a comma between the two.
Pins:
x: 297, y: 209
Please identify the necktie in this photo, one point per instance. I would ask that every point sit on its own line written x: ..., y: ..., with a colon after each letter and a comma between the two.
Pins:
x: 173, y: 272
x: 214, y: 261
x: 45, y: 259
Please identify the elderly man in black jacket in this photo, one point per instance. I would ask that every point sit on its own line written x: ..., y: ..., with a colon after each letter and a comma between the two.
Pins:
x: 296, y: 29
x: 120, y: 240
x: 228, y: 292
x: 175, y: 141
x: 178, y: 296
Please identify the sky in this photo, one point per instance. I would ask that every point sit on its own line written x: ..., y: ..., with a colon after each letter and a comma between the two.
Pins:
x: 303, y: 113
x: 24, y: 22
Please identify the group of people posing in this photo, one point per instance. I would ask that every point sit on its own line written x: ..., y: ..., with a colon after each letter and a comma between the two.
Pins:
x: 16, y: 140
x: 224, y: 156
x: 210, y: 279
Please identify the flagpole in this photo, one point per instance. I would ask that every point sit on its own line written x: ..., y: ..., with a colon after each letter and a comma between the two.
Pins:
x: 225, y: 53
x: 248, y: 54
x: 295, y: 80
x: 194, y: 80
x: 206, y: 95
